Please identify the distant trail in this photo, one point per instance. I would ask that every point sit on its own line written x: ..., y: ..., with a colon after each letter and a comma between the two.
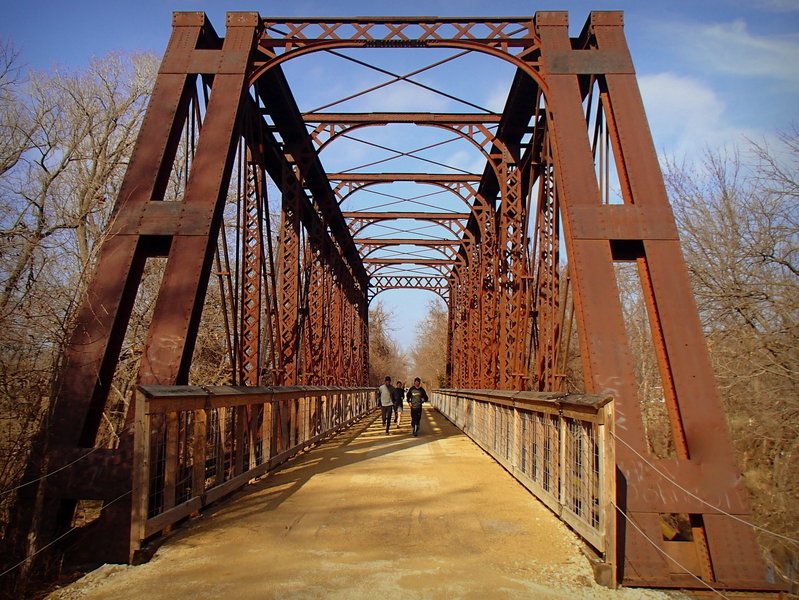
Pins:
x: 369, y: 515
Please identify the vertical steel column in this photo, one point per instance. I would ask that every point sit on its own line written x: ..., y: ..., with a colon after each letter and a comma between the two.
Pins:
x: 455, y: 324
x: 348, y: 342
x: 642, y: 229
x: 345, y: 333
x: 487, y: 267
x: 606, y: 354
x: 173, y: 330
x: 471, y: 318
x: 513, y: 276
x: 451, y: 334
x: 464, y: 338
x: 289, y: 279
x: 694, y: 405
x: 314, y: 308
x: 546, y: 283
x: 363, y: 347
x: 252, y: 280
x: 334, y: 370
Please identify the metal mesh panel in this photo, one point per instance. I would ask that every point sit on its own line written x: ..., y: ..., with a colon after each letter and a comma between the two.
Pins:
x: 557, y: 457
x: 581, y: 484
x: 184, y: 456
x: 212, y: 438
x: 155, y: 502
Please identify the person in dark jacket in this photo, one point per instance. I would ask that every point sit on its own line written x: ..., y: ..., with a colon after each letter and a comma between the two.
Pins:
x: 399, y: 396
x: 416, y: 396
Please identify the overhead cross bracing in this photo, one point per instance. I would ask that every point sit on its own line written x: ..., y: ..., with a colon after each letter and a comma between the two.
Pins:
x: 498, y: 162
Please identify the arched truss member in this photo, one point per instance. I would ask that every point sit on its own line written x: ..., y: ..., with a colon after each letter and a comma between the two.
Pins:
x: 504, y: 294
x: 462, y: 185
x: 474, y: 130
x: 453, y: 223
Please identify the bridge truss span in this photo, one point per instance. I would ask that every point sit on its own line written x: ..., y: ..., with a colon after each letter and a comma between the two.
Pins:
x: 272, y: 205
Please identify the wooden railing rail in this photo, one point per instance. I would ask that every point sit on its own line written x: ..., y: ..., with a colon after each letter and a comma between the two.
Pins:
x: 194, y: 445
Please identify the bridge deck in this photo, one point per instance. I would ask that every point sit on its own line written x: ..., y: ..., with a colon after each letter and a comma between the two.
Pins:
x: 369, y: 515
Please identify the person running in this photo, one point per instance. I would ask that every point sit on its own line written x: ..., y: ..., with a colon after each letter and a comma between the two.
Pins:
x: 416, y: 397
x: 386, y: 401
x: 399, y: 395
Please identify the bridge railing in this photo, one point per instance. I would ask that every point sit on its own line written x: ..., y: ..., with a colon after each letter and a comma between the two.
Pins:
x: 194, y: 445
x: 559, y: 446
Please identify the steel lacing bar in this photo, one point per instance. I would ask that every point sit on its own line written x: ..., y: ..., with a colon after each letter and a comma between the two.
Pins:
x: 407, y: 78
x: 399, y: 154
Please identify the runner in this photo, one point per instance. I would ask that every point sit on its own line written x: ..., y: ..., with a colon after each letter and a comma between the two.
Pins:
x: 416, y: 397
x: 399, y: 394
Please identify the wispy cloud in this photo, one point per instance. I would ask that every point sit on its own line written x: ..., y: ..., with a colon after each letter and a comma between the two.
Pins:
x: 496, y: 98
x: 400, y: 96
x: 779, y: 6
x: 686, y: 115
x: 732, y: 48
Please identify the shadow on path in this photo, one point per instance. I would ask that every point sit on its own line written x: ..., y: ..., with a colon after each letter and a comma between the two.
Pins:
x: 362, y: 441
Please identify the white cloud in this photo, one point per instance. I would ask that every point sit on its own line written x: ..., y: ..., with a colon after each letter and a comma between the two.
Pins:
x: 781, y: 6
x: 686, y: 115
x: 496, y: 99
x: 401, y: 96
x: 471, y: 160
x: 732, y: 48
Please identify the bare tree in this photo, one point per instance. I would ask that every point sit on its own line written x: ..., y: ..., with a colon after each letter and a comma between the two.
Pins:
x: 651, y: 398
x: 66, y: 138
x: 14, y: 127
x: 58, y: 196
x: 385, y: 357
x: 739, y: 225
x: 429, y: 355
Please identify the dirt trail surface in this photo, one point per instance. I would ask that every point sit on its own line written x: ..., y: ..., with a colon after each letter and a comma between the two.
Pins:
x: 369, y: 515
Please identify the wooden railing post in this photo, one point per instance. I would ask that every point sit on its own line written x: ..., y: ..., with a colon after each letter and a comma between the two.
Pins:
x: 140, y: 483
x: 607, y: 491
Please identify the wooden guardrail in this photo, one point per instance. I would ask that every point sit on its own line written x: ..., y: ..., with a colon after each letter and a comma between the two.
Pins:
x: 559, y: 446
x: 194, y: 445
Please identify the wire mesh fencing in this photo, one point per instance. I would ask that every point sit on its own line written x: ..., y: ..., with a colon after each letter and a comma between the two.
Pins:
x: 560, y: 446
x: 193, y: 445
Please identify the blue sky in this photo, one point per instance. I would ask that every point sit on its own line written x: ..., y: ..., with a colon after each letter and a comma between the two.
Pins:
x: 712, y: 72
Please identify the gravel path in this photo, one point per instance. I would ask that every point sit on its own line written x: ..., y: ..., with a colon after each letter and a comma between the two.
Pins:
x: 369, y: 515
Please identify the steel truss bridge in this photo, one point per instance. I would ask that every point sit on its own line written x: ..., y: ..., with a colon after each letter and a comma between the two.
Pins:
x: 523, y: 252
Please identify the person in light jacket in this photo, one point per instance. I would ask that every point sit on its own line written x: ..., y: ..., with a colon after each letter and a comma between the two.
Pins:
x: 386, y: 401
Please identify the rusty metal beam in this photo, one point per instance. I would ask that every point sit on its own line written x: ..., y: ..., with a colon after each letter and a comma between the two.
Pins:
x: 417, y: 216
x: 723, y: 552
x: 412, y: 177
x: 416, y: 118
x: 282, y: 108
x: 406, y: 241
x: 436, y: 284
x: 412, y: 261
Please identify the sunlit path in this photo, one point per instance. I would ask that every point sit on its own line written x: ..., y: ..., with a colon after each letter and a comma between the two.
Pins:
x: 369, y: 515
